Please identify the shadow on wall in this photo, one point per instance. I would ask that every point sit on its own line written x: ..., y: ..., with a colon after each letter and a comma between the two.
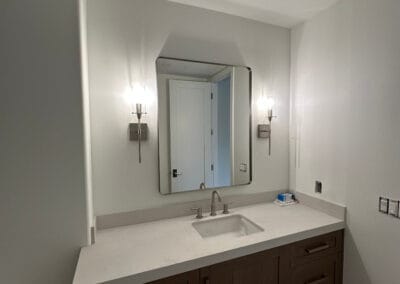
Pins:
x: 355, y: 273
x: 183, y: 47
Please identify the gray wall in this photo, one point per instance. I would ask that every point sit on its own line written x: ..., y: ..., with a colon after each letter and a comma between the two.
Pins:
x: 132, y: 34
x: 346, y: 70
x: 42, y: 194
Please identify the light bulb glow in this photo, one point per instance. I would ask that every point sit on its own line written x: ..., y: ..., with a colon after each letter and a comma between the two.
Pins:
x: 265, y: 103
x: 138, y: 94
x: 270, y: 103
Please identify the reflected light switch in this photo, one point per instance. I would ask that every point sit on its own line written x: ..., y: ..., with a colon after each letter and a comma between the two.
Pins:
x: 383, y: 205
x: 394, y: 208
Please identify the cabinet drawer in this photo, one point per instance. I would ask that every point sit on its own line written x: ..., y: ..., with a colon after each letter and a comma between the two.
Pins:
x: 259, y: 268
x: 314, y: 248
x: 322, y: 271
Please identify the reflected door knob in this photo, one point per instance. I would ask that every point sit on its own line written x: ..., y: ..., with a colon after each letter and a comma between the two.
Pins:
x: 175, y: 173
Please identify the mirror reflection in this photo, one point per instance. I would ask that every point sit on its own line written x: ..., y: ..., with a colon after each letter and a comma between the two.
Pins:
x: 204, y: 125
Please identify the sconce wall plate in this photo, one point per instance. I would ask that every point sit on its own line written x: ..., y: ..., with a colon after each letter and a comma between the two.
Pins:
x: 264, y: 131
x: 133, y: 131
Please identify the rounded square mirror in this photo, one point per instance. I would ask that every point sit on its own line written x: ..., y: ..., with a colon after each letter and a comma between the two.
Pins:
x: 204, y: 125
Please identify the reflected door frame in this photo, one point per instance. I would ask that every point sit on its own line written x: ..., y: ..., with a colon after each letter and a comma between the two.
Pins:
x: 227, y: 72
x: 190, y: 135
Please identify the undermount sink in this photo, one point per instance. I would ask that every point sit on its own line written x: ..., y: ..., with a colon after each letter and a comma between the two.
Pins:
x: 234, y: 225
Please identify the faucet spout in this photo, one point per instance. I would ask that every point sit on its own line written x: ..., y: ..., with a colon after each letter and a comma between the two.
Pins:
x: 213, y: 206
x: 216, y: 193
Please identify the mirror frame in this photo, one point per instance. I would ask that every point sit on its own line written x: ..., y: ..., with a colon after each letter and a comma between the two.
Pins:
x: 250, y: 126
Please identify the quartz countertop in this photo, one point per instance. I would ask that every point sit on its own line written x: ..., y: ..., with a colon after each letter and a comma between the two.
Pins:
x: 145, y: 252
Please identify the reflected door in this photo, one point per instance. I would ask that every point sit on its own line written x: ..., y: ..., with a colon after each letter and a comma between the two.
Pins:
x: 190, y: 134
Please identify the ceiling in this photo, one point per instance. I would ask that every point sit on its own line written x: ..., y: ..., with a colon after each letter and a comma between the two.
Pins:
x: 285, y: 13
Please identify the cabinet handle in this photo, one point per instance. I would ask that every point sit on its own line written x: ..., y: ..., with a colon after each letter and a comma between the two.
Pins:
x: 318, y: 281
x: 317, y: 249
x: 206, y: 280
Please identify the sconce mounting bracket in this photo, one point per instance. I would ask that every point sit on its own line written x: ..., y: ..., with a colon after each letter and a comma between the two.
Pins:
x: 133, y: 131
x: 264, y: 131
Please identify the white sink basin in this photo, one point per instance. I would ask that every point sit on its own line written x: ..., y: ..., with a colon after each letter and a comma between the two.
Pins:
x: 233, y: 225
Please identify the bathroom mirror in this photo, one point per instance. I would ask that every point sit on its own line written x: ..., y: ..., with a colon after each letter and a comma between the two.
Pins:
x: 204, y: 125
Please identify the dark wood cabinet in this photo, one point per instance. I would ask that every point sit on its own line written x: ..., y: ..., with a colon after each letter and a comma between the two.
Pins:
x: 259, y: 268
x: 191, y: 277
x: 322, y: 271
x: 317, y: 260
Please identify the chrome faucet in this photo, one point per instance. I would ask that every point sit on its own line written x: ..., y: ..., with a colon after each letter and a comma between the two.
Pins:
x: 213, y: 207
x: 202, y: 186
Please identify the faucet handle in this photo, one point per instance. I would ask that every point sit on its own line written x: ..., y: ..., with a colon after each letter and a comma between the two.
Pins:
x: 199, y: 212
x: 226, y: 208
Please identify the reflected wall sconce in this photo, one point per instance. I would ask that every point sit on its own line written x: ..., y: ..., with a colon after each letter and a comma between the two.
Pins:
x: 264, y: 130
x: 138, y: 131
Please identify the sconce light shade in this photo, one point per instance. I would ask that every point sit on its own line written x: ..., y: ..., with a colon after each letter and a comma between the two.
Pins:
x: 138, y: 98
x: 266, y: 104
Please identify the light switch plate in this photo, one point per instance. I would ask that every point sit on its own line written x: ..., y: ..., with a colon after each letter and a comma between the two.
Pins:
x: 384, y: 205
x: 394, y: 208
x: 243, y: 167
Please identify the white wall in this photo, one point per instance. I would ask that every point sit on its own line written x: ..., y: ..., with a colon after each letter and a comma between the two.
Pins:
x: 345, y: 89
x: 42, y: 186
x: 122, y: 32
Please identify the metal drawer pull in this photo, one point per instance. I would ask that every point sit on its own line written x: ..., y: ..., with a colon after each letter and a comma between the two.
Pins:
x: 206, y: 280
x: 317, y: 249
x: 319, y: 281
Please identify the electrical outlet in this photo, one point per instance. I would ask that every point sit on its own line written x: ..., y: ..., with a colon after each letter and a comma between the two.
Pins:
x: 318, y: 187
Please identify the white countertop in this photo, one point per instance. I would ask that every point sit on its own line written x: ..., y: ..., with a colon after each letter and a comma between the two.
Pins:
x: 149, y: 251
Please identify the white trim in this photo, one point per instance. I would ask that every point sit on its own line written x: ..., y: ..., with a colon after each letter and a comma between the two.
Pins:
x: 232, y: 122
x: 221, y: 75
x: 82, y: 6
x: 214, y: 137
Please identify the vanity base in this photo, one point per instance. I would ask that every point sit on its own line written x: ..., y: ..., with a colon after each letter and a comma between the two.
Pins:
x: 317, y: 260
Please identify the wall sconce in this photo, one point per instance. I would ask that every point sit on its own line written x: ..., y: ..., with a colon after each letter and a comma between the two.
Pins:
x: 264, y: 130
x: 138, y: 131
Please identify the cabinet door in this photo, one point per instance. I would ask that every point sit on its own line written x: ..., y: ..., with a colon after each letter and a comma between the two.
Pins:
x: 260, y: 268
x: 326, y: 270
x: 191, y: 277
